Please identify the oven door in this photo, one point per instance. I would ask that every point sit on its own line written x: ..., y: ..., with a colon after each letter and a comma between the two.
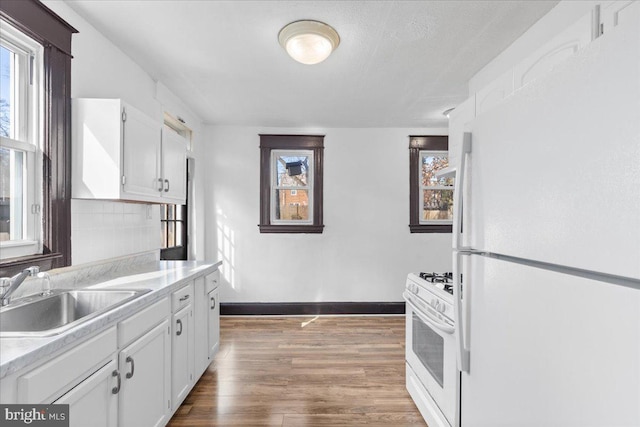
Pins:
x: 431, y: 354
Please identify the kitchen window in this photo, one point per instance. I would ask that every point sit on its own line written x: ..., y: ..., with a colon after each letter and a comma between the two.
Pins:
x: 173, y: 225
x: 20, y: 148
x: 431, y: 198
x: 35, y: 83
x: 291, y: 183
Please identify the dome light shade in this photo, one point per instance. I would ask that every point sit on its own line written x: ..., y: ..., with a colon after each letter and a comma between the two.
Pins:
x: 308, y: 42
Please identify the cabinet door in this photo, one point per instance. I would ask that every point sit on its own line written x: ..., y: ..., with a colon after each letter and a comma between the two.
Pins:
x: 200, y: 329
x: 145, y: 367
x: 182, y: 355
x: 562, y: 46
x: 93, y: 401
x: 494, y: 93
x: 174, y: 167
x: 214, y: 323
x: 614, y: 13
x: 141, y: 138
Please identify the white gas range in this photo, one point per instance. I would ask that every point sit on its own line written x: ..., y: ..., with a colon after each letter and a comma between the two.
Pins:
x: 433, y: 379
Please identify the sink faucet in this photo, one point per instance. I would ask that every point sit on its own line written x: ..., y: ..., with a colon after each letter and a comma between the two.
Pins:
x: 10, y: 284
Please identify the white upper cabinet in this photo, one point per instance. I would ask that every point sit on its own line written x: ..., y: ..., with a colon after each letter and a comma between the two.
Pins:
x: 492, y: 94
x: 554, y: 52
x: 614, y: 13
x: 140, y: 155
x: 119, y: 153
x: 174, y: 167
x: 544, y: 59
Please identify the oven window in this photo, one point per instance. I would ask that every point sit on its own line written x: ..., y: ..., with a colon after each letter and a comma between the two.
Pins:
x: 429, y: 347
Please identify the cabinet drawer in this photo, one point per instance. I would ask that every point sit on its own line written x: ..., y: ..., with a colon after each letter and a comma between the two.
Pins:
x: 212, y: 281
x: 43, y: 384
x: 182, y: 297
x: 139, y: 323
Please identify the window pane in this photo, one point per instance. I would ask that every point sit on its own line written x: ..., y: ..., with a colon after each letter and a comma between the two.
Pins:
x: 171, y: 234
x: 179, y: 230
x: 163, y: 212
x: 180, y: 212
x: 292, y: 207
x: 12, y: 188
x: 430, y: 164
x: 163, y: 229
x: 437, y: 205
x: 171, y: 209
x: 8, y: 119
x: 293, y: 171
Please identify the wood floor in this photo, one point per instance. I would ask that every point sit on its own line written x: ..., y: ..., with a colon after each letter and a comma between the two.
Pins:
x: 325, y: 371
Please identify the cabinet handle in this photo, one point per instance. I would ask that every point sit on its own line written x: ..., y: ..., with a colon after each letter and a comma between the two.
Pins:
x: 179, y: 322
x: 129, y: 359
x: 166, y: 190
x: 116, y: 389
x: 213, y: 303
x: 161, y: 186
x: 184, y: 298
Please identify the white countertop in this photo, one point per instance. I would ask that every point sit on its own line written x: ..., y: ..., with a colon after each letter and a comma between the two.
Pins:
x: 162, y: 278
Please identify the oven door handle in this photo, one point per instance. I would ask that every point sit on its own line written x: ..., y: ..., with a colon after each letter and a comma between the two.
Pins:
x: 428, y: 319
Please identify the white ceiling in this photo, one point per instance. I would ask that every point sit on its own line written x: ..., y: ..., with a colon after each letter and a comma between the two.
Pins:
x: 399, y: 63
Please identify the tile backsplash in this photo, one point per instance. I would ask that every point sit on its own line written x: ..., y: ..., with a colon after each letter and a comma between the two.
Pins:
x: 107, y: 229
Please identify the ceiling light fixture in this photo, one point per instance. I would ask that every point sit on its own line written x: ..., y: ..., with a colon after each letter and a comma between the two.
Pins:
x: 447, y: 113
x: 308, y: 42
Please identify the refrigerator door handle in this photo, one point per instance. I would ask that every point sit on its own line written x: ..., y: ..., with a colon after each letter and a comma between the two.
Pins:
x: 458, y: 173
x: 458, y: 309
x: 457, y: 193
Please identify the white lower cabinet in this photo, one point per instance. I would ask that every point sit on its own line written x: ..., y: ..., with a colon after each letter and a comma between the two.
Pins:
x: 145, y: 369
x: 207, y: 321
x: 201, y: 331
x: 182, y: 355
x: 67, y: 372
x: 135, y: 374
x: 94, y: 402
x: 213, y: 323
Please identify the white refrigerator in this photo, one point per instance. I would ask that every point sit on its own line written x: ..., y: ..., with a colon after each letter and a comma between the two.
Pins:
x: 547, y: 247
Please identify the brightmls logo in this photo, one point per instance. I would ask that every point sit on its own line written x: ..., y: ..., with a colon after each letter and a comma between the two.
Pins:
x: 27, y: 416
x: 34, y: 415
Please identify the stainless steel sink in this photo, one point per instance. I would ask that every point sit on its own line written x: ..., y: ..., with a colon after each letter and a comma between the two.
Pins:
x: 53, y: 314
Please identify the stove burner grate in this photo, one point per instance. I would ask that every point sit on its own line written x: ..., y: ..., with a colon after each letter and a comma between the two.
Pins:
x: 443, y: 281
x: 437, y: 277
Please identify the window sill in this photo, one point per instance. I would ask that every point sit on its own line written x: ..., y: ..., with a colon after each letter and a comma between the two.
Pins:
x: 311, y: 229
x: 430, y: 228
x: 11, y: 249
x: 11, y: 266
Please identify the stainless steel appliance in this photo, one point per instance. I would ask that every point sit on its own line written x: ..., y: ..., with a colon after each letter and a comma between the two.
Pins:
x: 432, y: 375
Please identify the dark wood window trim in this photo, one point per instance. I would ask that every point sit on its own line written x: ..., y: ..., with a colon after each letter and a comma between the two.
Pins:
x: 417, y: 144
x: 314, y: 143
x: 48, y: 29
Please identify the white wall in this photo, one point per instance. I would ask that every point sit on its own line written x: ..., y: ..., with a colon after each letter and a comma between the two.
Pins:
x: 366, y: 249
x: 104, y: 229
x: 558, y: 19
x: 99, y: 69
